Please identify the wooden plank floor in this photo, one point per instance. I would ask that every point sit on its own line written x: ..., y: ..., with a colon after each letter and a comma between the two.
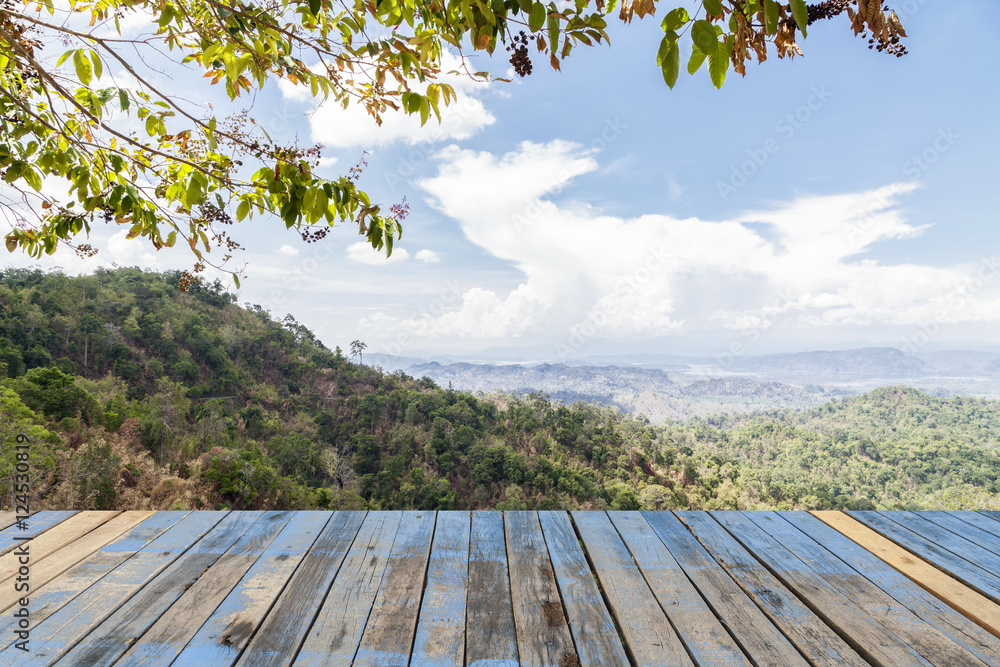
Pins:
x: 492, y: 589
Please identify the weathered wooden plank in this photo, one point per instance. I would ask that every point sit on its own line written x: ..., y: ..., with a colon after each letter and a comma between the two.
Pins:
x: 709, y: 547
x: 867, y: 636
x: 960, y: 629
x: 597, y: 641
x: 63, y: 559
x: 920, y: 635
x: 174, y: 604
x: 974, y: 606
x: 7, y: 518
x: 284, y: 627
x: 543, y: 638
x: 961, y: 543
x: 336, y: 633
x: 649, y: 636
x: 970, y: 574
x: 36, y: 525
x: 706, y: 639
x: 228, y: 631
x: 986, y: 533
x: 47, y: 598
x: 490, y: 637
x: 53, y: 540
x: 63, y: 629
x: 440, y: 638
x: 388, y: 637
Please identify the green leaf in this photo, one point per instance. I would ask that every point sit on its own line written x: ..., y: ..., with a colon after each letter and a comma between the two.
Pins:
x: 537, y: 17
x: 672, y: 64
x: 171, y: 239
x: 84, y: 70
x: 242, y: 210
x: 718, y: 65
x: 315, y: 6
x: 704, y: 36
x: 98, y: 67
x: 697, y: 58
x: 152, y: 124
x: 771, y: 16
x: 800, y: 12
x: 713, y: 7
x: 236, y: 280
x: 675, y: 19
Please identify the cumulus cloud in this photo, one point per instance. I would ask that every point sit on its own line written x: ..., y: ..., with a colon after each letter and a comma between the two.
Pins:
x: 335, y: 126
x: 287, y: 250
x: 655, y: 274
x: 363, y: 253
x: 428, y: 256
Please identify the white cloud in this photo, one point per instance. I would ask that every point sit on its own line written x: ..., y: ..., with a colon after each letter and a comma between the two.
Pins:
x: 335, y: 126
x: 428, y: 256
x: 363, y: 253
x: 656, y: 274
x: 287, y: 250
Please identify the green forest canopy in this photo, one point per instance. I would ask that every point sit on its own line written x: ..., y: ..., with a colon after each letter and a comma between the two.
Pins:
x: 138, y: 395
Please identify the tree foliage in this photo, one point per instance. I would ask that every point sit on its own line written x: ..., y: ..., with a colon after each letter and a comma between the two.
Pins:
x: 79, y: 147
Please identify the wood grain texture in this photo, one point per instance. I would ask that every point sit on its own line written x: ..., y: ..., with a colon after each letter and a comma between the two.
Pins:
x: 703, y: 635
x: 971, y: 574
x: 958, y: 538
x: 969, y: 602
x: 337, y: 630
x: 594, y: 633
x: 59, y: 632
x: 490, y: 636
x: 284, y: 628
x: 820, y: 644
x: 985, y: 531
x: 52, y: 540
x: 925, y: 605
x: 440, y: 638
x: 389, y: 633
x: 173, y: 606
x: 240, y: 588
x: 868, y: 637
x: 36, y: 524
x: 543, y: 638
x: 920, y: 635
x: 59, y: 561
x: 648, y: 633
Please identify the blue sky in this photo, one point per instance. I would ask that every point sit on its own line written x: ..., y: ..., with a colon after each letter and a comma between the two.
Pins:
x: 842, y: 198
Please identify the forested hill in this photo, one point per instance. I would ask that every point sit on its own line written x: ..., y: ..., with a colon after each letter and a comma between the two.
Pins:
x: 135, y: 394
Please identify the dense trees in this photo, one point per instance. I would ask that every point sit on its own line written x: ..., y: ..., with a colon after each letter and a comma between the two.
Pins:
x: 249, y: 412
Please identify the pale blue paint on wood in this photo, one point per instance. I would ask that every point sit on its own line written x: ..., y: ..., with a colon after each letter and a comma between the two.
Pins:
x: 37, y: 524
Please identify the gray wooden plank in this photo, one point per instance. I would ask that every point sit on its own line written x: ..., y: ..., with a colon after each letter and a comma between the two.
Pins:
x: 32, y: 527
x: 735, y: 600
x: 867, y: 636
x: 490, y: 637
x: 922, y: 636
x: 195, y: 634
x: 983, y: 581
x: 52, y: 596
x: 986, y: 533
x: 440, y: 638
x: 649, y: 636
x: 181, y: 596
x: 958, y: 538
x: 706, y: 639
x: 963, y: 631
x: 284, y: 629
x: 543, y: 638
x: 388, y: 637
x: 62, y: 630
x: 597, y: 641
x: 7, y: 518
x: 337, y: 630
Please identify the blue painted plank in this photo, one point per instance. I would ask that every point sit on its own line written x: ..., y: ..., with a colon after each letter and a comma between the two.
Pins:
x: 284, y: 628
x: 225, y: 634
x: 36, y: 525
x: 922, y: 636
x: 929, y: 607
x: 62, y: 630
x: 490, y: 637
x: 440, y: 638
x: 984, y: 581
x: 183, y: 594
